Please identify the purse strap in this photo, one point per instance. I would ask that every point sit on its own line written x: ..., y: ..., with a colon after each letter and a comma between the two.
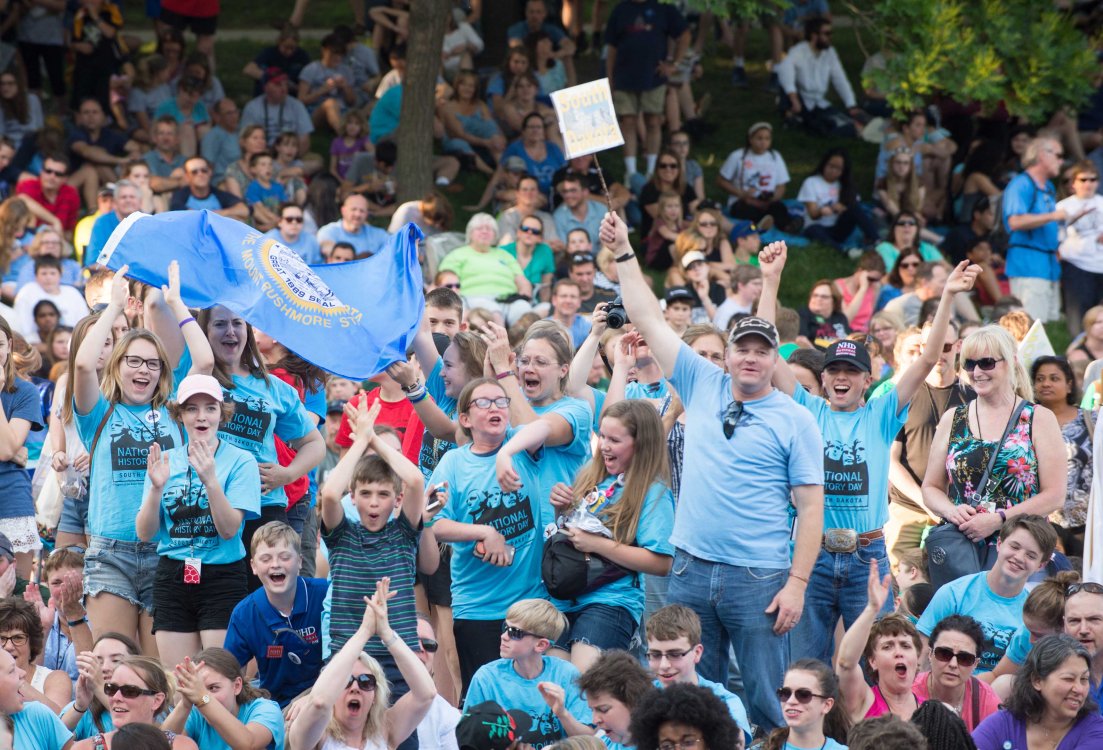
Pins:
x: 982, y: 485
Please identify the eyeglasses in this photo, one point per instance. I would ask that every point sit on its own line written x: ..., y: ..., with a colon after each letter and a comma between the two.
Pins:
x: 907, y: 223
x: 130, y: 692
x: 17, y: 640
x: 365, y: 682
x: 153, y: 365
x: 686, y: 743
x: 455, y: 285
x: 199, y: 170
x: 910, y: 264
x: 54, y: 172
x: 731, y: 418
x: 944, y: 655
x: 293, y: 219
x: 670, y: 655
x: 1087, y: 179
x: 668, y: 165
x: 984, y: 363
x: 536, y: 362
x: 706, y: 224
x: 516, y: 634
x: 428, y: 645
x: 804, y: 695
x: 1087, y: 587
x: 502, y: 402
x: 532, y: 230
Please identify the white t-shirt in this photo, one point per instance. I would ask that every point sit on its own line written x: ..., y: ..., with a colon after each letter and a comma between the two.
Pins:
x: 823, y: 193
x: 437, y: 731
x: 70, y: 303
x: 1080, y: 243
x: 763, y: 173
x: 728, y: 308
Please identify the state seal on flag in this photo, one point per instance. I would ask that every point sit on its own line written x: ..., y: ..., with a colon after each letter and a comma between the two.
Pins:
x: 301, y: 285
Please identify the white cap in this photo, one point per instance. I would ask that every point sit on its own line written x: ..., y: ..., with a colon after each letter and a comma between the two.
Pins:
x: 195, y: 384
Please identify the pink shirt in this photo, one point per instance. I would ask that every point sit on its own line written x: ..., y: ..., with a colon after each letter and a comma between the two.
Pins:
x: 860, y: 321
x: 880, y: 707
x: 987, y: 704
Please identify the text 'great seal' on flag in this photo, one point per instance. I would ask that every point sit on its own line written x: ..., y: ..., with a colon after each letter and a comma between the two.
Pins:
x: 351, y: 319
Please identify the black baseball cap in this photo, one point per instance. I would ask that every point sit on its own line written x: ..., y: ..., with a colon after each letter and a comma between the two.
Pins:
x: 336, y: 406
x: 847, y: 352
x: 754, y: 326
x: 488, y: 726
x: 680, y: 294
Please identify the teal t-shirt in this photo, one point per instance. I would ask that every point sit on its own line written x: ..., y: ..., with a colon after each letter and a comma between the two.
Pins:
x: 1019, y: 647
x: 37, y: 728
x: 999, y: 616
x: 260, y: 711
x: 187, y: 528
x: 433, y: 449
x: 560, y: 464
x: 542, y: 263
x: 86, y: 727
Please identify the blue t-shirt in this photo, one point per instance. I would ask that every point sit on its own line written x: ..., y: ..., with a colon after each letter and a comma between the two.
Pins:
x: 652, y: 533
x: 101, y: 231
x: 118, y: 471
x: 433, y: 449
x: 37, y: 728
x: 560, y: 464
x: 211, y: 202
x: 856, y: 459
x: 306, y: 246
x: 385, y: 115
x: 368, y: 241
x: 199, y: 114
x: 271, y: 196
x: 1019, y: 647
x: 15, y: 482
x: 263, y: 409
x: 258, y: 631
x: 86, y: 727
x: 999, y: 616
x: 829, y: 744
x: 481, y: 591
x: 260, y: 711
x: 730, y: 486
x: 498, y: 681
x: 1031, y: 253
x: 544, y: 170
x: 187, y: 528
x: 654, y: 391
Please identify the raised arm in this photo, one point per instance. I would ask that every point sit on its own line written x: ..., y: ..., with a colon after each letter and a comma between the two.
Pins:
x: 86, y: 381
x: 337, y: 483
x: 408, y: 711
x: 852, y: 683
x: 431, y: 415
x: 639, y: 299
x: 624, y: 359
x: 577, y: 377
x: 165, y: 314
x: 772, y: 262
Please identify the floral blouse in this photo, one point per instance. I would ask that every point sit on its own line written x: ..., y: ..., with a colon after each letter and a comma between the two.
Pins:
x: 1014, y: 476
x: 1078, y: 449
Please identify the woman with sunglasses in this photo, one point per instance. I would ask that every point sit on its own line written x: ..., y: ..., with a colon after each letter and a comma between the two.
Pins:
x: 904, y: 235
x: 536, y: 258
x: 1082, y: 271
x: 348, y: 705
x: 815, y: 718
x: 117, y: 422
x: 89, y: 712
x: 668, y: 178
x: 902, y: 277
x: 138, y: 693
x: 1029, y: 474
x: 1050, y: 705
x: 954, y: 645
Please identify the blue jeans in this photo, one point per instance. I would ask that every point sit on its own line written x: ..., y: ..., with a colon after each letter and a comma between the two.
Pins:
x: 731, y: 602
x: 837, y: 588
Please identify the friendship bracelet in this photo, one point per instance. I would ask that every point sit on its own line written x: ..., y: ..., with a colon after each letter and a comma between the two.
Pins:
x: 185, y: 321
x: 418, y: 398
x: 503, y: 375
x: 799, y: 578
x: 622, y: 258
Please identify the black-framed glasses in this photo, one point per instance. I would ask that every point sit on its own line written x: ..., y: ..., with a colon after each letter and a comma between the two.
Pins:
x: 907, y: 223
x: 1087, y: 178
x: 732, y: 416
x: 668, y: 165
x: 944, y: 655
x: 910, y: 265
x: 365, y: 682
x: 803, y: 695
x: 130, y: 692
x: 199, y: 170
x: 516, y: 633
x: 502, y: 402
x: 153, y: 365
x: 1087, y: 587
x: 428, y: 645
x: 293, y: 219
x: 456, y: 285
x: 669, y: 655
x: 985, y: 363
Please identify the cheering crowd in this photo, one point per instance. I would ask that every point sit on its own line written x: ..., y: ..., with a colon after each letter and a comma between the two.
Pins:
x: 578, y: 514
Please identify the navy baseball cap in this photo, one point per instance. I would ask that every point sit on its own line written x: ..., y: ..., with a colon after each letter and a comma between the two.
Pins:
x: 847, y: 352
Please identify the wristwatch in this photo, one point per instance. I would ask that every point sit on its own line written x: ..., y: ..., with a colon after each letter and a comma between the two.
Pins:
x: 205, y: 699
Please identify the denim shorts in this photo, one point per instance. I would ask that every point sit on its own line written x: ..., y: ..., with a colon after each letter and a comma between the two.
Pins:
x: 601, y: 626
x: 126, y: 569
x: 74, y: 515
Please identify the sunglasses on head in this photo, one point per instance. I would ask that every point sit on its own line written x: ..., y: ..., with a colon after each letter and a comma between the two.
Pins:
x: 129, y: 691
x: 365, y: 682
x: 944, y: 655
x: 984, y: 363
x: 803, y: 695
x: 1087, y: 587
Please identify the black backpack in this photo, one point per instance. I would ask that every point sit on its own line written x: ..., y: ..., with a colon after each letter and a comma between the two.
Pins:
x: 569, y: 573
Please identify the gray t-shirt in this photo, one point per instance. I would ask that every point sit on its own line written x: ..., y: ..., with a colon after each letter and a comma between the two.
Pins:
x: 290, y: 116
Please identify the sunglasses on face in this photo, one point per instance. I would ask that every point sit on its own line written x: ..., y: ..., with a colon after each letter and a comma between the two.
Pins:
x: 804, y: 695
x: 906, y: 223
x: 428, y: 645
x: 985, y: 363
x: 910, y: 265
x: 944, y: 655
x: 130, y: 692
x: 365, y: 682
x: 668, y: 166
x: 516, y: 634
x: 531, y: 230
x: 293, y: 219
x: 454, y: 285
x: 54, y: 172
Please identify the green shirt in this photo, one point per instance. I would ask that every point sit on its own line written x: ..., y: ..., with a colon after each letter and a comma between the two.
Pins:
x: 543, y: 261
x: 489, y: 274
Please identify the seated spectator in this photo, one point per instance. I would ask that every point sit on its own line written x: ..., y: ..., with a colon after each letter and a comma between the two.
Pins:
x: 137, y: 171
x: 982, y: 178
x: 755, y: 177
x: 586, y: 167
x: 460, y: 47
x: 992, y: 284
x: 529, y: 202
x: 899, y: 190
x: 82, y: 234
x: 862, y: 290
x: 955, y: 644
x: 707, y: 223
x: 581, y: 269
x: 432, y: 214
x: 240, y: 173
x: 930, y: 280
x: 831, y: 203
x: 678, y: 308
x: 20, y: 114
x: 342, y: 252
x: 541, y: 154
x: 47, y: 242
x: 372, y: 175
x: 353, y: 227
x: 288, y: 168
x: 166, y: 162
x: 197, y: 193
x: 708, y: 295
x: 277, y: 112
x: 351, y: 140
x: 979, y: 226
x: 97, y: 151
x: 289, y: 232
x: 189, y: 112
x: 396, y: 56
x: 472, y: 135
x: 517, y: 60
x: 746, y: 288
x: 521, y: 99
x: 127, y: 201
x: 220, y: 144
x: 47, y: 285
x: 151, y: 88
x: 490, y: 277
x: 50, y: 191
x: 933, y: 152
x: 547, y: 65
x: 804, y: 76
x: 326, y: 85
x: 822, y: 320
x: 668, y: 177
x: 263, y: 195
x: 565, y: 303
x: 285, y: 55
x: 535, y: 257
x: 536, y: 20
x: 362, y: 59
x: 613, y: 687
x: 684, y: 716
x: 22, y: 626
x: 904, y: 234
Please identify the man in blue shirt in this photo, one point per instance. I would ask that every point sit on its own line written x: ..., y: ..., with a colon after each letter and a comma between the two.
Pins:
x: 198, y: 194
x: 578, y: 210
x: 1031, y: 217
x: 566, y: 301
x: 127, y: 201
x: 279, y: 624
x: 857, y: 438
x: 749, y: 453
x: 353, y: 228
x: 290, y: 232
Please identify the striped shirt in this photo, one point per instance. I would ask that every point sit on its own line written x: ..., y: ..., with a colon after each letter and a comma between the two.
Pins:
x: 358, y: 559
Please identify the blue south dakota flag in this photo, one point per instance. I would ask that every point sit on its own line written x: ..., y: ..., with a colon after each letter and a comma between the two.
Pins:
x: 352, y: 319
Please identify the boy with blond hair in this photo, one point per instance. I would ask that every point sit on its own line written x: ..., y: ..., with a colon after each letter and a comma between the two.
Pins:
x: 527, y: 679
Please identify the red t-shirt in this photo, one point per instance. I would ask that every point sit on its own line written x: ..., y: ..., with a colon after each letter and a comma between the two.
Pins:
x: 192, y: 8
x: 66, y: 207
x: 398, y: 414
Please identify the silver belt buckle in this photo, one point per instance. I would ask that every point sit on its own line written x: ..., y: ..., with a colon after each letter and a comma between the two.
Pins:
x: 840, y: 540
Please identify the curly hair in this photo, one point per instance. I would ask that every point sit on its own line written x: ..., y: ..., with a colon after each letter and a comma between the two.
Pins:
x: 943, y: 728
x: 19, y: 614
x: 690, y: 705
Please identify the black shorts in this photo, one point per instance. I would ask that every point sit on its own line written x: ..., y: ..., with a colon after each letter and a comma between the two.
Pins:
x: 180, y: 607
x: 438, y: 587
x: 200, y: 26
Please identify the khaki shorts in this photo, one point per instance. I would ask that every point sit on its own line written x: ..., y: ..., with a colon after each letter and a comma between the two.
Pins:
x: 650, y: 102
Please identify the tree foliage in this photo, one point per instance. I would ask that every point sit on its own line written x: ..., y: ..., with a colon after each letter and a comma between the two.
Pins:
x: 1021, y: 53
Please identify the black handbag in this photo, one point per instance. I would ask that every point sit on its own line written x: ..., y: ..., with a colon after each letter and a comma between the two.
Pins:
x: 951, y: 554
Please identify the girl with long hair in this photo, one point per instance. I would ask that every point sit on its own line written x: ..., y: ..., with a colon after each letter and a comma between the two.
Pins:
x: 15, y: 217
x: 669, y: 177
x: 831, y: 202
x: 899, y: 190
x: 812, y: 705
x: 88, y: 713
x: 904, y: 236
x: 473, y: 135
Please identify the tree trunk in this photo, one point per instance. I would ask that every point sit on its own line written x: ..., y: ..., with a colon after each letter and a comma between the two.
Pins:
x: 414, y: 170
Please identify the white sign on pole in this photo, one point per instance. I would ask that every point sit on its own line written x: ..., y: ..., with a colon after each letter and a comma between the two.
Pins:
x: 586, y: 118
